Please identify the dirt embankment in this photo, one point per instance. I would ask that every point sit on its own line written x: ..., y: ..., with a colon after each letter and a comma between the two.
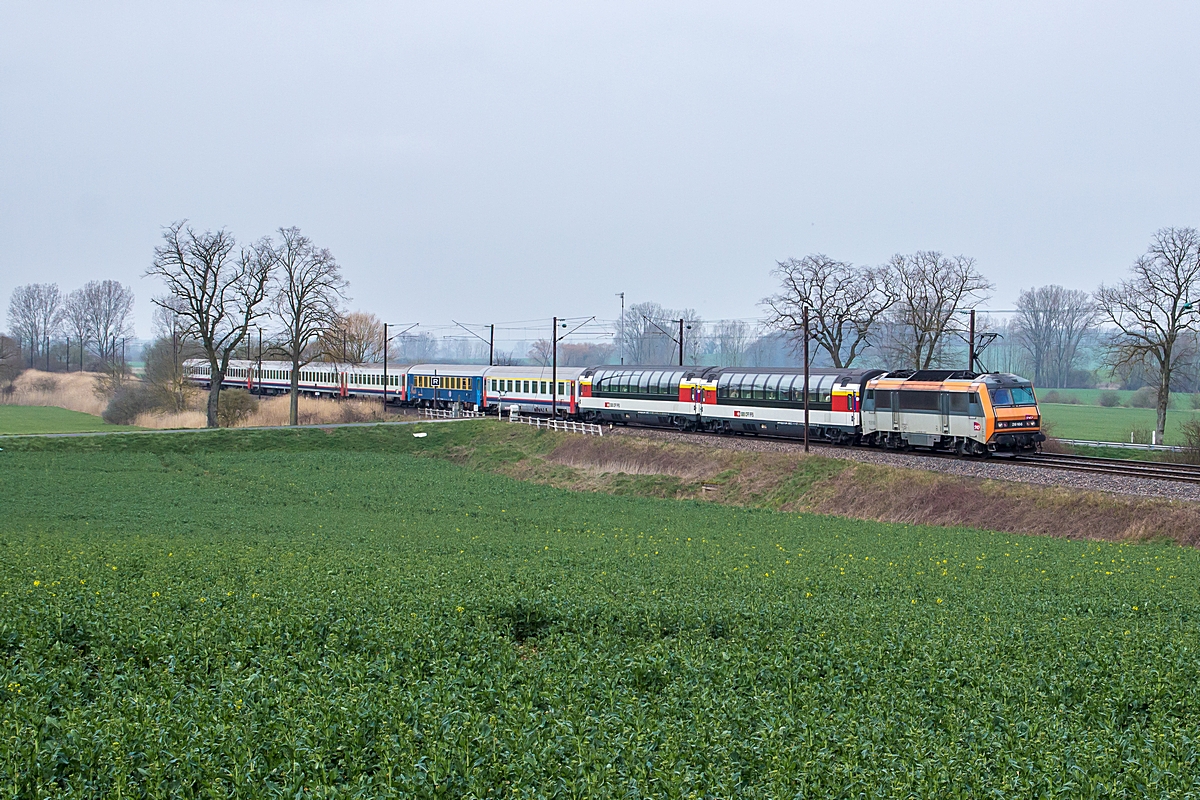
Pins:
x: 794, y: 482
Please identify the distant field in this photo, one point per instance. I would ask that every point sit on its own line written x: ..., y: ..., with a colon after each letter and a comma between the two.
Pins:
x: 356, y: 620
x: 48, y: 419
x: 1091, y: 397
x: 1109, y: 424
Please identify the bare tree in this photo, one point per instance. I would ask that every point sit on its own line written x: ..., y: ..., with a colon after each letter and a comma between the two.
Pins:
x: 35, y: 315
x: 929, y: 289
x: 10, y: 363
x: 309, y: 290
x: 105, y: 308
x: 584, y: 354
x: 731, y: 339
x: 1051, y: 322
x: 844, y: 302
x: 356, y: 339
x: 541, y: 353
x: 217, y: 292
x: 649, y: 334
x: 165, y: 357
x: 77, y: 322
x: 1151, y: 311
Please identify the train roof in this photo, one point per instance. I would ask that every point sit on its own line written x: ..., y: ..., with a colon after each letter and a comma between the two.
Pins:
x: 538, y: 371
x: 468, y: 370
x: 942, y: 375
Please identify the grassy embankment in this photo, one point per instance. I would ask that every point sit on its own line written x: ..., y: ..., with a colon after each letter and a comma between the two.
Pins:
x: 48, y: 419
x: 319, y: 614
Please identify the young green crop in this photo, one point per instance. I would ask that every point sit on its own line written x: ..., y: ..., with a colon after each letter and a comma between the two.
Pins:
x: 326, y: 614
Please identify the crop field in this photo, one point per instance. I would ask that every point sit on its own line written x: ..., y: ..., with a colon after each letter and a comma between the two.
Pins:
x: 1110, y: 424
x: 48, y: 419
x: 318, y: 614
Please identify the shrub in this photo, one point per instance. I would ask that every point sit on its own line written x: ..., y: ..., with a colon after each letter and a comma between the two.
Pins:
x: 127, y: 403
x: 1052, y: 397
x: 1145, y: 397
x: 1110, y: 399
x: 233, y: 406
x: 1195, y: 398
x: 1191, y: 440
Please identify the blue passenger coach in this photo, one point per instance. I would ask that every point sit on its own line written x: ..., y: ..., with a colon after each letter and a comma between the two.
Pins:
x: 441, y: 385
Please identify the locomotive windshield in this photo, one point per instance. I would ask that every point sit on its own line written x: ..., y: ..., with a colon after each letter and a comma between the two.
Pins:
x: 1014, y: 396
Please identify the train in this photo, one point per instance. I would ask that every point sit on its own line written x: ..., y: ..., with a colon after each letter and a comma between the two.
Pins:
x: 952, y: 411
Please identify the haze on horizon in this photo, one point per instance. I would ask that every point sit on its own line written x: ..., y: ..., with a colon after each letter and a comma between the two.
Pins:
x: 491, y: 163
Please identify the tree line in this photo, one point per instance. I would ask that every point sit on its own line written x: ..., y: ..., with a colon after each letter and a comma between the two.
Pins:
x: 911, y: 312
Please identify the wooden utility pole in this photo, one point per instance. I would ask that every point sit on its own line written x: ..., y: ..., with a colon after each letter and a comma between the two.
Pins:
x: 681, y: 343
x: 554, y: 370
x: 806, y: 387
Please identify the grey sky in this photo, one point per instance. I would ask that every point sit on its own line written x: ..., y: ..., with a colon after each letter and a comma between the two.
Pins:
x: 508, y: 162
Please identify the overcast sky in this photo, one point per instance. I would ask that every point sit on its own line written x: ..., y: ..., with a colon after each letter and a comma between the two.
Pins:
x: 490, y: 163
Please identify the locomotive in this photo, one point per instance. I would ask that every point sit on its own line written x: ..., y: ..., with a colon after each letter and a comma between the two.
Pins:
x: 953, y: 411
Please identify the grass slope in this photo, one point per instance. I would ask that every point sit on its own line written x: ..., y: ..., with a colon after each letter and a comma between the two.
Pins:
x: 49, y: 419
x: 311, y: 614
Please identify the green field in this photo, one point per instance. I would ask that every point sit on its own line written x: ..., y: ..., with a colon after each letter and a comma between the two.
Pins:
x: 319, y: 614
x: 1109, y: 424
x: 48, y: 419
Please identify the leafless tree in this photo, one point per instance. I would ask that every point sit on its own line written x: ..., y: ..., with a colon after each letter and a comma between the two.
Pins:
x: 35, y: 315
x: 217, y: 292
x: 541, y: 353
x: 844, y: 302
x: 649, y: 334
x: 1151, y: 310
x: 11, y: 364
x: 77, y: 321
x: 929, y: 289
x: 731, y: 339
x: 165, y: 357
x: 584, y: 354
x: 109, y: 306
x: 416, y: 348
x: 309, y: 289
x: 1050, y: 323
x: 357, y: 338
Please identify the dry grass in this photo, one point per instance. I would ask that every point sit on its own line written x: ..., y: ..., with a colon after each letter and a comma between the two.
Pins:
x: 273, y: 411
x: 74, y: 391
x: 793, y: 482
x: 167, y: 420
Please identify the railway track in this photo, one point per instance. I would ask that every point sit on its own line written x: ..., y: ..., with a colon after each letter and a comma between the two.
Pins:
x: 1129, y: 468
x: 1183, y: 473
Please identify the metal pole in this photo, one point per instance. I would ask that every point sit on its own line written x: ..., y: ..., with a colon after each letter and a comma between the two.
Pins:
x: 971, y: 344
x: 554, y: 371
x: 492, y: 347
x: 621, y: 327
x: 681, y: 343
x: 47, y: 353
x: 258, y: 377
x: 385, y: 355
x: 806, y: 390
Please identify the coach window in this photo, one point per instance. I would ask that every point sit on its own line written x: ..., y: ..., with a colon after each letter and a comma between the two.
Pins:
x: 773, y: 384
x: 974, y: 407
x: 827, y: 388
x: 787, y: 386
x: 958, y: 403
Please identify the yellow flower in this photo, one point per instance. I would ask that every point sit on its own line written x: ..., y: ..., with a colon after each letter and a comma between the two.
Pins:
x: 37, y: 583
x: 460, y: 609
x: 154, y: 594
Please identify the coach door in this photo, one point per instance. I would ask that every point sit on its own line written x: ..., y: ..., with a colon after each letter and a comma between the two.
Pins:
x: 944, y: 410
x: 895, y: 409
